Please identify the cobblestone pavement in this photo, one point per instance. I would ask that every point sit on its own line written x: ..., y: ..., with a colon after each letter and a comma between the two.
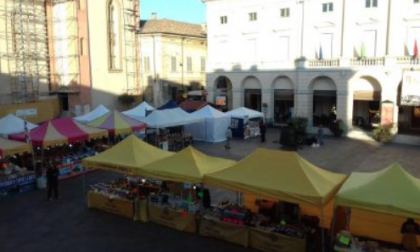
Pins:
x: 29, y: 223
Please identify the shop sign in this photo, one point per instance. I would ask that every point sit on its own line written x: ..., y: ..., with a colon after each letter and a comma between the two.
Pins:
x: 234, y: 123
x: 387, y: 113
x: 17, y: 181
x: 410, y: 92
x: 221, y: 100
x: 26, y: 112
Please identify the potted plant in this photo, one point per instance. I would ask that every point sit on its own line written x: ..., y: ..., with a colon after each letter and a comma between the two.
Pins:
x: 337, y: 127
x: 384, y: 133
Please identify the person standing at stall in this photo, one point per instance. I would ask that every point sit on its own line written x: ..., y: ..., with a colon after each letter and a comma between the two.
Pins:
x: 263, y: 129
x: 228, y: 138
x: 409, y: 230
x: 52, y: 181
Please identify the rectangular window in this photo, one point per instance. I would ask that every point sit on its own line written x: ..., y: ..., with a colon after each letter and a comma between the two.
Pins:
x: 325, y: 51
x: 203, y: 64
x: 252, y: 16
x: 327, y: 7
x: 147, y: 64
x: 284, y: 12
x: 223, y: 19
x: 189, y: 64
x: 371, y: 3
x: 173, y: 64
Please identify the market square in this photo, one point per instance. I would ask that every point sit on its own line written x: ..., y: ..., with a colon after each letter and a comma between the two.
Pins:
x: 210, y: 125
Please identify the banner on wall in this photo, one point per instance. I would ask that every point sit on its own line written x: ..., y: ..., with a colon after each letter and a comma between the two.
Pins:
x: 410, y: 91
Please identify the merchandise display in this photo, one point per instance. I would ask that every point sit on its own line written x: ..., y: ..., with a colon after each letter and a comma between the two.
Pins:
x: 171, y: 139
x: 229, y: 213
x: 346, y: 242
x: 252, y: 129
x: 14, y: 179
x: 126, y: 188
x: 68, y: 158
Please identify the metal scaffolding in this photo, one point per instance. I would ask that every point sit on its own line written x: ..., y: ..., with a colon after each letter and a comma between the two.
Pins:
x: 131, y: 22
x: 65, y: 51
x: 25, y: 36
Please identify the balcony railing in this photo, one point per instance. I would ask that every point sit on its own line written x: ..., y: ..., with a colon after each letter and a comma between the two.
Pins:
x: 408, y: 61
x: 324, y: 63
x: 367, y: 62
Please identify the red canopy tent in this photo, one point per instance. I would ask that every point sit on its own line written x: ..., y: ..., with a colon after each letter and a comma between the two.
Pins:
x: 60, y: 131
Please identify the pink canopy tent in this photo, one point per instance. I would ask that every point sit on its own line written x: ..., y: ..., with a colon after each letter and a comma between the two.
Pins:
x: 60, y: 131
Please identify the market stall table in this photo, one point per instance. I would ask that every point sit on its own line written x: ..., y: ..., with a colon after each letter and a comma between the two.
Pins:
x: 176, y: 219
x: 14, y: 179
x: 379, y: 202
x: 285, y: 177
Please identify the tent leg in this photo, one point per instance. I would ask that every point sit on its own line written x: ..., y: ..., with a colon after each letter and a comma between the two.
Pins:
x: 322, y: 229
x: 333, y: 224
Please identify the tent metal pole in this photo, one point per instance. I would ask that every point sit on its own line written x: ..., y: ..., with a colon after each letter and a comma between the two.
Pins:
x: 322, y: 229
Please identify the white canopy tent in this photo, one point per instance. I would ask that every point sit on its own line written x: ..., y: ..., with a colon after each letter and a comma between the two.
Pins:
x: 11, y: 124
x: 92, y: 115
x: 168, y: 118
x: 243, y: 112
x: 212, y: 128
x: 139, y: 111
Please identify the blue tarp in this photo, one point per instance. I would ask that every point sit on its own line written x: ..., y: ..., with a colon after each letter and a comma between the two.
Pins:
x: 169, y: 105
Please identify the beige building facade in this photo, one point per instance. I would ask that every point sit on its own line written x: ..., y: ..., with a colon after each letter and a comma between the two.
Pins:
x: 80, y: 52
x: 321, y: 59
x: 173, y: 59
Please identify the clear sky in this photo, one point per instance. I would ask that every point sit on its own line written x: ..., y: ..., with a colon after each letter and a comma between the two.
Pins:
x: 191, y: 11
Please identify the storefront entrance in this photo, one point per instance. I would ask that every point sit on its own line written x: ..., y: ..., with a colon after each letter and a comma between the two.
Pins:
x: 253, y: 99
x: 324, y: 107
x: 223, y: 96
x: 283, y: 105
x: 366, y: 109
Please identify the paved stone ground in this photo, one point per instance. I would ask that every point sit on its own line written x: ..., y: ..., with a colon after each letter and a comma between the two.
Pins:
x: 29, y: 223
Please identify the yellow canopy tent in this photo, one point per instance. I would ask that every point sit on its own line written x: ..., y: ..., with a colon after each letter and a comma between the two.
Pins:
x: 188, y: 166
x: 279, y: 175
x: 9, y: 147
x: 128, y: 156
x: 380, y: 202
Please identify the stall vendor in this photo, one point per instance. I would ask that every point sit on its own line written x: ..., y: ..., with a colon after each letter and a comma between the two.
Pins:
x: 409, y: 231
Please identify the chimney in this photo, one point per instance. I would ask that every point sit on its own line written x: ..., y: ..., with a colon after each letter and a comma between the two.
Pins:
x: 204, y: 27
x: 154, y: 16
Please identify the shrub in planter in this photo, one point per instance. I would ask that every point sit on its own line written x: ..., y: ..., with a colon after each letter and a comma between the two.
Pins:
x: 383, y: 133
x: 337, y: 127
x: 298, y: 124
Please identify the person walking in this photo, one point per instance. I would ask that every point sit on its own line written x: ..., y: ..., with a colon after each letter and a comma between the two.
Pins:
x: 52, y: 181
x: 228, y: 138
x: 263, y: 129
x: 409, y: 230
x: 320, y: 135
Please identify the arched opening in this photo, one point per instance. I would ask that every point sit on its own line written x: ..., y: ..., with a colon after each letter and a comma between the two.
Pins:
x: 252, y: 93
x: 284, y: 100
x: 324, y: 105
x: 366, y: 103
x: 223, y: 93
x: 408, y: 102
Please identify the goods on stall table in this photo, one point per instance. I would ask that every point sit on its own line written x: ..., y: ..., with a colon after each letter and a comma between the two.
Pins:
x: 14, y: 179
x: 346, y: 242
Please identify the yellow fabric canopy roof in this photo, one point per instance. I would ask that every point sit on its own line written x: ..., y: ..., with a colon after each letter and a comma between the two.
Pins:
x: 279, y: 175
x: 9, y: 147
x: 390, y: 191
x: 188, y: 166
x: 128, y: 156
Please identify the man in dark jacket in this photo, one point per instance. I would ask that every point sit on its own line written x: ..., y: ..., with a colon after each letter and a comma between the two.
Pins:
x: 263, y: 129
x: 52, y: 181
